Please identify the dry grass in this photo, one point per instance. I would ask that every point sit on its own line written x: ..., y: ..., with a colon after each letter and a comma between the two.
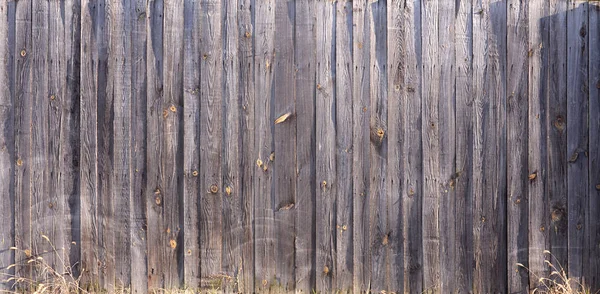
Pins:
x: 558, y: 282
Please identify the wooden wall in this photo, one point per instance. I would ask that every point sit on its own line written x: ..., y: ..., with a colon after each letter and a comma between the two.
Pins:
x: 308, y: 145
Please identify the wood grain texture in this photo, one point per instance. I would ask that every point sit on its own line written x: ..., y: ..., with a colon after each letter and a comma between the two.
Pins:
x: 325, y: 147
x: 519, y: 144
x: 462, y: 180
x: 283, y: 160
x: 305, y: 61
x: 577, y: 135
x: 343, y: 125
x: 489, y: 158
x: 7, y: 138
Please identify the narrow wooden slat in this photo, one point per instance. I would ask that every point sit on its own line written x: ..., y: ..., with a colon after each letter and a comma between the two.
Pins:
x: 556, y: 111
x: 248, y: 160
x: 461, y: 181
x: 343, y: 125
x: 489, y: 158
x: 264, y: 235
x: 395, y: 139
x: 138, y: 122
x: 577, y: 135
x: 413, y: 168
x: 517, y: 106
x: 592, y: 266
x: 191, y: 141
x: 120, y: 71
x: 284, y: 137
x: 360, y: 143
x: 91, y: 43
x: 447, y: 145
x: 211, y: 104
x: 431, y: 146
x: 305, y: 60
x: 7, y: 139
x: 325, y: 147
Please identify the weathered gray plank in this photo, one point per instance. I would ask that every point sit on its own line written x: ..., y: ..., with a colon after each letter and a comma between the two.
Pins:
x: 395, y: 139
x: 361, y: 145
x: 139, y: 261
x: 284, y: 137
x: 211, y: 104
x: 7, y: 140
x: 447, y: 145
x: 556, y: 111
x: 325, y: 147
x: 305, y: 145
x: 119, y: 87
x: 489, y: 158
x: 264, y: 238
x: 91, y: 43
x: 343, y: 125
x: 577, y: 134
x: 248, y: 160
x: 592, y: 266
x: 431, y: 146
x: 191, y: 139
x: 517, y: 103
x: 461, y: 181
x: 412, y: 150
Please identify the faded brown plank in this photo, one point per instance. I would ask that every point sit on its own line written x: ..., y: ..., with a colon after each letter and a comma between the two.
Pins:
x: 264, y: 238
x: 191, y: 139
x: 517, y: 122
x: 430, y: 96
x: 325, y: 147
x: 211, y: 103
x: 577, y: 135
x: 461, y: 181
x: 343, y: 124
x: 395, y: 139
x: 284, y: 137
x: 305, y: 60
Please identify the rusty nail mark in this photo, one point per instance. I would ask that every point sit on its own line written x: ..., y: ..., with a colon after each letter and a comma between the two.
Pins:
x: 283, y: 117
x: 532, y: 176
x: 23, y: 52
x: 195, y: 173
x: 173, y: 243
x: 214, y: 189
x: 364, y: 109
x: 228, y: 190
x: 574, y: 157
x: 52, y: 97
x: 248, y: 34
x: 173, y: 108
x: 19, y: 162
x: 319, y: 86
x: 518, y: 201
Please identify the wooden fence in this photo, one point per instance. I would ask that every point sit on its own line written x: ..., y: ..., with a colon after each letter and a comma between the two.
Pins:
x: 280, y: 145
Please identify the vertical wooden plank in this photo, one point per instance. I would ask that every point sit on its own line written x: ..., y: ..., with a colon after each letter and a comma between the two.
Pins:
x: 489, y: 159
x: 264, y: 238
x: 119, y: 71
x: 431, y: 147
x: 577, y: 134
x: 517, y: 107
x: 284, y: 137
x: 325, y: 142
x: 139, y: 261
x: 7, y: 137
x: 90, y: 76
x: 191, y: 139
x: 556, y: 111
x: 361, y: 145
x: 396, y: 60
x: 412, y: 193
x: 305, y: 60
x: 539, y: 203
x: 592, y: 267
x: 343, y: 125
x: 447, y: 145
x: 248, y: 160
x: 377, y: 108
x: 211, y: 104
